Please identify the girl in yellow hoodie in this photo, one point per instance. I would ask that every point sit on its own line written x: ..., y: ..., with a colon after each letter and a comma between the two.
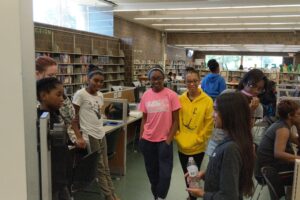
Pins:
x: 195, y: 122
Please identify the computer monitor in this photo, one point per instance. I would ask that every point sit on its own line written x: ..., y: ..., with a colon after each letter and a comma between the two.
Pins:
x: 136, y: 83
x: 116, y: 88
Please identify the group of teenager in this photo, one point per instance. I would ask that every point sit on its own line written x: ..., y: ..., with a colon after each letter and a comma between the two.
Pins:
x: 221, y: 120
x: 82, y: 118
x: 194, y: 120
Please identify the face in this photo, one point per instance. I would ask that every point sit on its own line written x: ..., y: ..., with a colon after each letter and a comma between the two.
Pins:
x: 157, y: 81
x: 192, y: 82
x: 217, y: 117
x: 255, y: 89
x: 51, y: 71
x: 95, y: 83
x: 54, y: 99
x: 296, y: 118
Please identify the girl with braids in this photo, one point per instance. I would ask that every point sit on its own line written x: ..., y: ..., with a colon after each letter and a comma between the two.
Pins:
x: 275, y: 148
x: 160, y: 107
x: 230, y: 169
x: 87, y: 103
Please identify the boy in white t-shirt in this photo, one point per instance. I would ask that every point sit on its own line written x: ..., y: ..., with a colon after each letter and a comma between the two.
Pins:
x: 87, y: 103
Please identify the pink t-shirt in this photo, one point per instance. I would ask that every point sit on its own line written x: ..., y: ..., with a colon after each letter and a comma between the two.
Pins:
x: 158, y: 107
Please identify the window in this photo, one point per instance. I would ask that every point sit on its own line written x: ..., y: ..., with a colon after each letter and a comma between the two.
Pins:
x: 232, y: 62
x: 262, y: 61
x: 226, y: 62
x: 86, y: 15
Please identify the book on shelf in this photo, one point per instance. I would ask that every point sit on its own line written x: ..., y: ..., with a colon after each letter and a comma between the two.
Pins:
x: 65, y: 79
x: 65, y: 69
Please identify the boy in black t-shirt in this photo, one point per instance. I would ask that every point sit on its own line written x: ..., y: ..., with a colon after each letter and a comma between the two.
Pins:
x: 50, y: 95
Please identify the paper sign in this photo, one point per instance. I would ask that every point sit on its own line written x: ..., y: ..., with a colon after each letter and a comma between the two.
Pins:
x: 115, y: 95
x: 119, y: 94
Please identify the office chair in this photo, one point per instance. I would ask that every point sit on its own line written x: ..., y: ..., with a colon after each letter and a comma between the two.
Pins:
x: 274, y: 183
x: 84, y: 171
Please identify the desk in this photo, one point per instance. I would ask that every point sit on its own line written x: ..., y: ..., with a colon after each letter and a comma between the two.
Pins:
x: 118, y: 163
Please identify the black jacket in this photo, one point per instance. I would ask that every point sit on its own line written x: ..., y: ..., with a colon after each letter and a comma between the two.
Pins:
x: 222, y: 177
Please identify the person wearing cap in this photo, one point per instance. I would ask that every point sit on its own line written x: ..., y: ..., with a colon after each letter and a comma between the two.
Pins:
x: 213, y: 84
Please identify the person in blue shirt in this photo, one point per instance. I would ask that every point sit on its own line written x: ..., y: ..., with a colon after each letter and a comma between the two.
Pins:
x: 213, y: 84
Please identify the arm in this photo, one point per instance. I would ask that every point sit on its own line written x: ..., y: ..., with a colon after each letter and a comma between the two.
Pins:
x: 282, y: 137
x: 206, y: 132
x: 229, y: 176
x: 80, y: 142
x: 222, y: 86
x: 144, y: 119
x: 174, y: 127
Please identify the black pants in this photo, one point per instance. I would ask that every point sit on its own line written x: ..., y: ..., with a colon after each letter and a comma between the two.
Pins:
x: 158, y: 157
x: 184, y: 161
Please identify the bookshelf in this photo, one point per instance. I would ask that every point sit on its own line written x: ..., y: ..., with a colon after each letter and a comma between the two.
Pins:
x: 233, y: 77
x: 74, y: 50
x: 141, y: 67
x: 289, y: 77
x: 175, y: 66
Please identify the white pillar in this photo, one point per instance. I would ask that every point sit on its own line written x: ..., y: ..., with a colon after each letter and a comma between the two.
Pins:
x: 18, y: 149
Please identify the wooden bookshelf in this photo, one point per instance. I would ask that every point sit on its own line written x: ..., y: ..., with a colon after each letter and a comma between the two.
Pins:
x: 74, y: 50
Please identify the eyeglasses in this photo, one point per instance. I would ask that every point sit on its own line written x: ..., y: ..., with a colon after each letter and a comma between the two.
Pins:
x: 188, y: 125
x: 157, y: 78
x: 192, y: 81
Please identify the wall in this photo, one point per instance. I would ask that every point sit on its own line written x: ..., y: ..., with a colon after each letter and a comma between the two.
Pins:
x: 138, y: 43
x: 18, y: 149
x: 288, y: 38
x: 146, y: 42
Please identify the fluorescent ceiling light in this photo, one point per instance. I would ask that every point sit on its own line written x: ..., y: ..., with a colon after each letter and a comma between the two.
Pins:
x: 215, y: 17
x: 205, y: 45
x: 228, y: 24
x: 207, y: 8
x: 228, y: 29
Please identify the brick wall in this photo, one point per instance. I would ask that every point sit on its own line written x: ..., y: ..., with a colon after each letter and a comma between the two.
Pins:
x: 138, y: 43
x: 288, y: 38
x: 146, y: 42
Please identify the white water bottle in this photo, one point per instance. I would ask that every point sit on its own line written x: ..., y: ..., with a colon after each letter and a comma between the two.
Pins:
x: 193, y: 171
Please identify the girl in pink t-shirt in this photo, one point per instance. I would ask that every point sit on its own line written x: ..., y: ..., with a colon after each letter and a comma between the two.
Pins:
x: 160, y: 108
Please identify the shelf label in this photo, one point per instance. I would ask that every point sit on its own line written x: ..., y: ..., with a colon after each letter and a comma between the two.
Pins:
x: 119, y: 94
x: 115, y: 95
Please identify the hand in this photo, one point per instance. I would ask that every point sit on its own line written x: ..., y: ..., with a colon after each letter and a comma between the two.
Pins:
x: 254, y: 103
x: 168, y: 141
x: 200, y: 175
x: 196, y: 192
x: 80, y: 143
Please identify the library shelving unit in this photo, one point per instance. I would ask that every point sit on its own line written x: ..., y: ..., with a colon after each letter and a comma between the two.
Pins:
x: 289, y: 77
x: 74, y: 50
x: 141, y: 67
x: 169, y: 67
x: 233, y: 77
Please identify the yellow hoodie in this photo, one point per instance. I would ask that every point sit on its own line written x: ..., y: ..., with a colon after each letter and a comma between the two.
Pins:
x: 195, y: 123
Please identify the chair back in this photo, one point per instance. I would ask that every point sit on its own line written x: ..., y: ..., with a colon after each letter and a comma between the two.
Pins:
x: 272, y: 179
x: 85, y: 171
